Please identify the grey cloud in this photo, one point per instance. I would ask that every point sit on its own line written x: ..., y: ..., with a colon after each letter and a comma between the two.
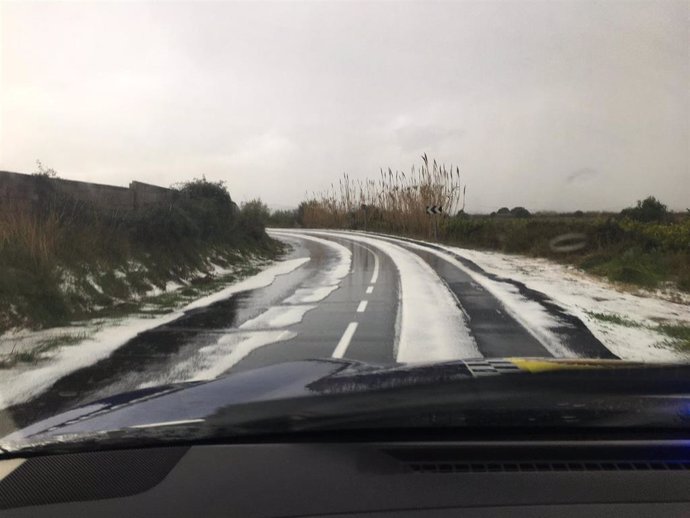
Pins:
x: 580, y: 175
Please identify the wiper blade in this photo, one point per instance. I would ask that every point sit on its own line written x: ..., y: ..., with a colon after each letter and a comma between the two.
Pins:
x: 93, y: 441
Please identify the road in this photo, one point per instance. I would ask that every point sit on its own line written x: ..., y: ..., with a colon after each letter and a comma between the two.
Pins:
x: 358, y: 296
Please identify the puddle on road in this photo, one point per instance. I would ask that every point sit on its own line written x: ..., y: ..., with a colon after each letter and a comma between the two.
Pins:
x: 220, y: 315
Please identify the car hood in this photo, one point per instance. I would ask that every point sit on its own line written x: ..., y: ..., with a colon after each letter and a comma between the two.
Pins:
x: 278, y: 397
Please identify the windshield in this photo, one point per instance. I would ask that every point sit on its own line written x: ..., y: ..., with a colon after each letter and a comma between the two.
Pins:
x: 360, y: 212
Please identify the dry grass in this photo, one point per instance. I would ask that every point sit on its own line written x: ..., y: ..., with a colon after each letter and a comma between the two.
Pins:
x: 36, y: 235
x: 395, y: 202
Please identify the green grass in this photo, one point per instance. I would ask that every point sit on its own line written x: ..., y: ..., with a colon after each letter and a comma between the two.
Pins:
x: 679, y: 334
x: 632, y: 266
x: 613, y: 318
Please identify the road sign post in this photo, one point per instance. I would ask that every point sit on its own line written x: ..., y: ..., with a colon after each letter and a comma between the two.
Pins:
x: 434, y: 210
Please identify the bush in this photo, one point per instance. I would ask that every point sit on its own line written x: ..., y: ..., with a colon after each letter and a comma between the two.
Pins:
x: 164, y: 226
x: 670, y: 236
x: 210, y: 207
x: 647, y: 211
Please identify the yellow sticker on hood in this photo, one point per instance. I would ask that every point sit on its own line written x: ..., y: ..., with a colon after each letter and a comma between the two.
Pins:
x: 542, y: 364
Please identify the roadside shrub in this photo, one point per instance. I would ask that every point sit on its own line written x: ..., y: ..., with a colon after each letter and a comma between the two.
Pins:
x: 254, y: 216
x: 671, y: 236
x: 164, y: 226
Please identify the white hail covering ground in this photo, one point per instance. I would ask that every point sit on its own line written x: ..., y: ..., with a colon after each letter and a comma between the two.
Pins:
x: 20, y: 383
x: 432, y: 325
x: 260, y: 280
x: 278, y: 316
x: 581, y: 294
x: 326, y: 282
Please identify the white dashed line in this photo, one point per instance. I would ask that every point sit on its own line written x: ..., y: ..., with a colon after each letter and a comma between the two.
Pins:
x: 345, y: 340
x: 370, y: 290
x: 362, y: 306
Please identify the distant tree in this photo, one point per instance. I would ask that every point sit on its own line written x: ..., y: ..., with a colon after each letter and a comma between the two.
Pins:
x: 579, y: 214
x: 283, y: 218
x: 520, y: 212
x: 648, y: 210
x: 503, y: 211
x: 256, y: 210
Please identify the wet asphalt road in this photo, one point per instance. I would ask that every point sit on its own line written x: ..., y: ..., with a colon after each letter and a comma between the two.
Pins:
x: 359, y: 320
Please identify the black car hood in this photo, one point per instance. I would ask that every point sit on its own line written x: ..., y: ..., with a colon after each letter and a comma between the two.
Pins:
x: 282, y: 396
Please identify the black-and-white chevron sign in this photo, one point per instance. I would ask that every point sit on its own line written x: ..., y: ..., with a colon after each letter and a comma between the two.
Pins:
x: 434, y: 209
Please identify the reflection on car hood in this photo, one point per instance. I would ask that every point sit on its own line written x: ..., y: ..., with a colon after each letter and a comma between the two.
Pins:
x: 310, y: 380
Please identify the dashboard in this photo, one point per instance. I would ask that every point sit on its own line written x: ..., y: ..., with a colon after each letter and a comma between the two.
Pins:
x: 364, y: 479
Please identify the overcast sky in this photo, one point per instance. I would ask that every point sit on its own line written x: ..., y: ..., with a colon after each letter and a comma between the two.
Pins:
x: 549, y: 105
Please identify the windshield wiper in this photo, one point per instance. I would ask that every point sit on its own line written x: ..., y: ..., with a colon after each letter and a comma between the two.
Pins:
x: 652, y: 398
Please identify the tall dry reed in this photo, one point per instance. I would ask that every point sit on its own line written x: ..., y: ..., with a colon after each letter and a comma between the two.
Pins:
x: 35, y: 236
x: 395, y: 202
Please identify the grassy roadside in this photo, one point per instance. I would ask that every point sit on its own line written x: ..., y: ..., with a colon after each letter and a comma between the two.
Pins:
x: 42, y: 347
x: 648, y: 255
x: 27, y: 347
x: 677, y: 335
x: 63, y: 260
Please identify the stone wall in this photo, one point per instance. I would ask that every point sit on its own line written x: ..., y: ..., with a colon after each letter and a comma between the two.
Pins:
x: 146, y: 195
x: 23, y: 190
